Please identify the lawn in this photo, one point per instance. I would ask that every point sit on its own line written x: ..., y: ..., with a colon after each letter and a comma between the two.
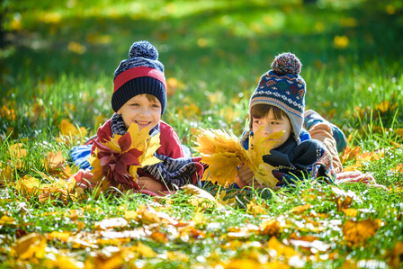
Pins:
x: 56, y: 75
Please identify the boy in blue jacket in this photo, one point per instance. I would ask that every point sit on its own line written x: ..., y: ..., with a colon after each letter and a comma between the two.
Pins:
x: 278, y: 104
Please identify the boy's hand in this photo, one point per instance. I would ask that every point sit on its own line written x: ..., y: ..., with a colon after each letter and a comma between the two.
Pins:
x: 150, y: 184
x: 245, y: 176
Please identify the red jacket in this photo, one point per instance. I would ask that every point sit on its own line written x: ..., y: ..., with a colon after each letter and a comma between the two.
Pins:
x: 169, y: 141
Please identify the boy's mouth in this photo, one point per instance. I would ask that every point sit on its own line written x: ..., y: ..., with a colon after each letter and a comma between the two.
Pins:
x: 142, y: 123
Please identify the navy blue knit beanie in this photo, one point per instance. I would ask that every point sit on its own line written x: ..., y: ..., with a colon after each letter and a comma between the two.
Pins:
x: 142, y: 73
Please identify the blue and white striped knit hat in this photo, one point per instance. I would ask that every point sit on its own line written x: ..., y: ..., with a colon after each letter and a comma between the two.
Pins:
x: 284, y: 88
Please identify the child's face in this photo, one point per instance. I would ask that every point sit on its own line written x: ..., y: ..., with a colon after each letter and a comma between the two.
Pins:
x: 271, y: 124
x: 140, y: 110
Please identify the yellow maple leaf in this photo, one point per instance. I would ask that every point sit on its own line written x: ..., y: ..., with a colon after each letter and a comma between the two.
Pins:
x: 28, y: 185
x: 223, y: 153
x: 29, y: 246
x: 260, y: 146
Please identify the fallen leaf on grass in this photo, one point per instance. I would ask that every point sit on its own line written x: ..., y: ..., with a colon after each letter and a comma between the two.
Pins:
x: 61, y: 236
x: 270, y: 227
x: 6, y: 220
x: 300, y: 209
x: 69, y: 134
x: 148, y: 215
x: 254, y: 208
x: 28, y: 186
x: 396, y: 258
x: 6, y: 174
x: 29, y: 246
x: 108, y: 258
x: 350, y: 212
x: 54, y: 161
x: 201, y: 199
x: 282, y: 250
x: 57, y: 261
x: 356, y: 232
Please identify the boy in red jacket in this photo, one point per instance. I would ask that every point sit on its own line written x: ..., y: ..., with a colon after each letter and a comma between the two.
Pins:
x: 140, y: 97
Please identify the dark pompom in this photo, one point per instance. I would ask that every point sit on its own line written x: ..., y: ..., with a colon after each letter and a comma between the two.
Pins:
x: 143, y: 49
x: 286, y: 63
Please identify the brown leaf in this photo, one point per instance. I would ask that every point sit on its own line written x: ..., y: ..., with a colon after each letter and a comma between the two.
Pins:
x: 54, y: 161
x: 396, y: 257
x: 270, y: 227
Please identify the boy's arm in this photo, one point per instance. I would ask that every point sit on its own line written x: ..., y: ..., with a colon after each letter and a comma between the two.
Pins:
x: 150, y: 184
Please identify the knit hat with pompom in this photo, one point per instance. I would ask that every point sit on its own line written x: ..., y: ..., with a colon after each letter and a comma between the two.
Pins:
x: 284, y: 88
x: 142, y: 73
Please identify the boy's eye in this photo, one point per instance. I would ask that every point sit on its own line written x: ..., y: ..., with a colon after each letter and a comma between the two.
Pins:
x: 155, y: 106
x: 257, y: 121
x: 274, y: 123
x: 134, y: 104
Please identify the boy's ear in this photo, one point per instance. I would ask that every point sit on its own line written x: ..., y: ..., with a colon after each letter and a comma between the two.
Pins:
x: 119, y: 112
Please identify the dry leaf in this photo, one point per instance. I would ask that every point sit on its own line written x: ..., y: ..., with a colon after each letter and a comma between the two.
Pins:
x: 270, y: 227
x: 356, y: 232
x: 29, y: 246
x: 300, y: 209
x: 224, y: 153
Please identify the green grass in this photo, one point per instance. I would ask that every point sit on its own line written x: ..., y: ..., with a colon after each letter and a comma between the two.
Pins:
x: 216, y: 50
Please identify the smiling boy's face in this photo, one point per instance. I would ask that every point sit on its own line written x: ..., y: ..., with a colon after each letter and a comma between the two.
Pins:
x: 144, y: 110
x: 272, y: 124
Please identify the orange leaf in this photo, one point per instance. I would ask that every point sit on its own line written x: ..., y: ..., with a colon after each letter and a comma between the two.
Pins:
x: 159, y: 237
x: 356, y: 232
x: 54, y: 161
x: 300, y: 209
x: 270, y: 227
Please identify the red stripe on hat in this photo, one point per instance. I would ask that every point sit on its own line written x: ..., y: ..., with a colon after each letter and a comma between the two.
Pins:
x: 138, y: 72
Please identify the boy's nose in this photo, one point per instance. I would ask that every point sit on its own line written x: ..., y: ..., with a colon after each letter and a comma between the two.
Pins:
x: 266, y: 131
x: 144, y: 112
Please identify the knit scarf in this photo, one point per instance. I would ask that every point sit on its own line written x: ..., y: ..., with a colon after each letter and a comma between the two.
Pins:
x: 180, y: 171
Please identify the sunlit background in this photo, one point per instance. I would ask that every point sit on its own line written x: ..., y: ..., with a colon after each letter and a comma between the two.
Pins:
x: 58, y: 58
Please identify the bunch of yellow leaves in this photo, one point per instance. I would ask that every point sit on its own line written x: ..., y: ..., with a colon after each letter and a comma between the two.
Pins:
x: 224, y: 153
x: 117, y: 159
